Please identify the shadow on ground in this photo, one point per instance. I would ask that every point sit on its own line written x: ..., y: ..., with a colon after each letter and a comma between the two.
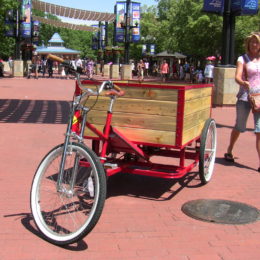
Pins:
x: 26, y: 220
x: 222, y: 161
x: 34, y: 111
x: 231, y: 127
x: 150, y: 188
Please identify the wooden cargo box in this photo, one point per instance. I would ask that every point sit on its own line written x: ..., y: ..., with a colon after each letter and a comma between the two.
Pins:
x: 155, y: 114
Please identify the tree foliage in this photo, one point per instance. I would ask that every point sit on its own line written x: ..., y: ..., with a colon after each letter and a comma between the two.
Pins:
x: 7, y: 44
x: 182, y: 26
x: 77, y: 40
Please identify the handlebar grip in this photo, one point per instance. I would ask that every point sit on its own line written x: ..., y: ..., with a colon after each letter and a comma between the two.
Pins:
x: 54, y: 57
x: 120, y: 92
x: 117, y: 88
x: 114, y: 92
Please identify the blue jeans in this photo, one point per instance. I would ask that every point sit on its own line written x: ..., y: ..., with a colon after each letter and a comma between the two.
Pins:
x: 243, y: 109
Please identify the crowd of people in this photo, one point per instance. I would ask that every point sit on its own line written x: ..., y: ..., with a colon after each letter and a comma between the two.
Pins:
x: 176, y: 70
x: 183, y: 71
x: 46, y: 67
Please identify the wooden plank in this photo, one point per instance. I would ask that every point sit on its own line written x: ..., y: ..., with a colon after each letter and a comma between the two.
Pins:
x: 192, y: 133
x: 163, y: 123
x: 146, y: 93
x: 197, y: 93
x: 138, y: 106
x: 151, y: 93
x: 148, y: 115
x: 142, y: 135
x: 194, y: 119
x: 195, y: 105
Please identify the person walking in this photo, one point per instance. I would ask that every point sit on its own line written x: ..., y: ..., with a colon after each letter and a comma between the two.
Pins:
x: 36, y: 64
x: 146, y: 68
x: 182, y: 75
x: 208, y: 72
x: 248, y: 77
x: 50, y: 67
x: 11, y: 64
x: 133, y: 68
x: 90, y: 68
x: 174, y: 70
x: 79, y: 64
x: 140, y: 70
x: 164, y: 70
x: 43, y: 65
x: 186, y: 68
x: 155, y: 69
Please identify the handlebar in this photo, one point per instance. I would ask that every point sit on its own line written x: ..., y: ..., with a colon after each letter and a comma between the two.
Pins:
x: 112, y: 89
x: 55, y: 58
x: 62, y: 61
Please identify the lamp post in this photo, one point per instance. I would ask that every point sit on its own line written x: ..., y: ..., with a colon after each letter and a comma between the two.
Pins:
x: 229, y: 9
x: 228, y: 36
x: 127, y: 30
x: 21, y: 29
x: 13, y: 21
x: 18, y: 18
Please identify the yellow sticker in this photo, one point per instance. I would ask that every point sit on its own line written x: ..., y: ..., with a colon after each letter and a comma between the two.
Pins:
x: 75, y: 120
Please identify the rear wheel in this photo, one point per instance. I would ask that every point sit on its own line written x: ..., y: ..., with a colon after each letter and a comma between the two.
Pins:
x: 208, y: 144
x: 66, y: 215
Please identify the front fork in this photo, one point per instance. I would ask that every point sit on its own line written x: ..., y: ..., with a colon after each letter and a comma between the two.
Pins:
x: 66, y: 151
x: 79, y: 137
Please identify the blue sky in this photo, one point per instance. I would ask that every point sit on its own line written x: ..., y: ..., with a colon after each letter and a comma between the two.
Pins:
x: 92, y: 5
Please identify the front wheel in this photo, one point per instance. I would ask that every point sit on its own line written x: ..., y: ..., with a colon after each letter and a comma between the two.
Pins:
x: 208, y: 144
x: 67, y: 212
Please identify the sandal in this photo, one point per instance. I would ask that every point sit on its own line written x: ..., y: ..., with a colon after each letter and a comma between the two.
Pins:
x: 229, y: 157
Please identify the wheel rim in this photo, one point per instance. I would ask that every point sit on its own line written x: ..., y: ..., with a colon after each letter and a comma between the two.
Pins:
x: 209, y: 151
x: 62, y: 216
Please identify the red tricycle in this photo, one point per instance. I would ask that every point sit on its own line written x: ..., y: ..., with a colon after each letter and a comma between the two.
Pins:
x: 128, y: 126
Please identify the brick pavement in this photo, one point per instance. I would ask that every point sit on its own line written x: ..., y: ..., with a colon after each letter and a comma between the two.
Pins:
x: 142, y: 218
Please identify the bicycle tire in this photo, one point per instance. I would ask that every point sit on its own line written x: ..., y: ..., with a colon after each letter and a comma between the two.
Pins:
x: 208, y: 144
x: 64, y: 217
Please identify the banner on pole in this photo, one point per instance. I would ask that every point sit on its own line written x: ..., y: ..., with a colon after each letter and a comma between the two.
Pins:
x: 135, y: 21
x: 213, y: 6
x: 238, y: 7
x: 95, y: 37
x: 244, y: 7
x: 120, y: 20
x: 35, y: 32
x: 152, y: 49
x: 102, y: 36
x: 26, y: 27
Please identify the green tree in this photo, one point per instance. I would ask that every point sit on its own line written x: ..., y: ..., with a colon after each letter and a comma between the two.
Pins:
x: 189, y: 29
x: 7, y: 44
x: 185, y: 28
x: 244, y: 26
x: 73, y: 39
x: 149, y: 31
